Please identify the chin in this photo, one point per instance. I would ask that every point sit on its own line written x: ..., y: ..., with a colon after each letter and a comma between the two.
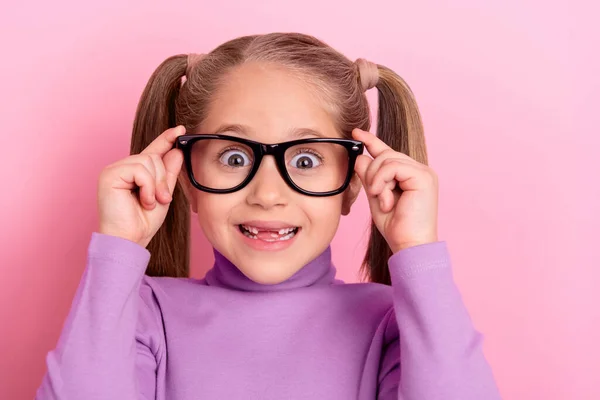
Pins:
x: 268, y: 272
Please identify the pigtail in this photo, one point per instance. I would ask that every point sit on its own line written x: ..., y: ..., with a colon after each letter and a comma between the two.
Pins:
x: 399, y: 125
x: 169, y: 248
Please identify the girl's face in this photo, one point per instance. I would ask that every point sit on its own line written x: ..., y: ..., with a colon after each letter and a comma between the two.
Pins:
x: 268, y: 105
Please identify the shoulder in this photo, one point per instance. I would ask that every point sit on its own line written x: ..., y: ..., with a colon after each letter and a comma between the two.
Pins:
x: 155, y: 296
x: 162, y: 294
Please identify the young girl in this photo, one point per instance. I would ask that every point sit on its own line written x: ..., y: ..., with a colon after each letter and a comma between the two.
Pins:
x: 263, y: 138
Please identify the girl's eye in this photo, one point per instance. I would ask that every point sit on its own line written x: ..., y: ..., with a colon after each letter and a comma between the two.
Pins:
x: 235, y: 158
x: 305, y: 161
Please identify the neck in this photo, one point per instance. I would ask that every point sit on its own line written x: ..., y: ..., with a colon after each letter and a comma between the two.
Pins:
x: 318, y: 272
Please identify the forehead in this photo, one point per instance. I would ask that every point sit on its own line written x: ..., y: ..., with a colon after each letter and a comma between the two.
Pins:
x: 271, y: 103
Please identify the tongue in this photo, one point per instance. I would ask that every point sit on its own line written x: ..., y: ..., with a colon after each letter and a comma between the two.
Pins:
x: 268, y: 235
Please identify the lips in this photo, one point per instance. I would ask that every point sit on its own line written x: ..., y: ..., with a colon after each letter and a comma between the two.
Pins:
x: 255, y: 230
x: 268, y: 225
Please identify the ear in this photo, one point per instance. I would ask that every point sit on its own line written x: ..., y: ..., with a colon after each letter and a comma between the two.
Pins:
x: 189, y: 191
x: 351, y: 194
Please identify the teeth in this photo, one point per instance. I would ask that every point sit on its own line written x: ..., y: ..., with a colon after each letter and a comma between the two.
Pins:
x: 247, y: 234
x: 251, y: 229
x: 254, y: 230
x: 286, y: 237
x: 251, y: 232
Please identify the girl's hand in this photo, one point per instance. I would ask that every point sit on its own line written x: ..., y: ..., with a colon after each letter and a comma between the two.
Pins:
x: 407, y: 218
x: 136, y: 215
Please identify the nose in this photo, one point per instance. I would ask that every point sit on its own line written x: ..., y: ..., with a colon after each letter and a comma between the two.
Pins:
x: 267, y: 188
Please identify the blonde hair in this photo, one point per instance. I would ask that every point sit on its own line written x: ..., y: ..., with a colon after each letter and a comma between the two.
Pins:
x: 166, y: 103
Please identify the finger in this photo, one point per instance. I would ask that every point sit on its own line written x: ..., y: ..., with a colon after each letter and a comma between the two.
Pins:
x: 374, y: 145
x: 383, y: 158
x: 163, y: 194
x: 382, y: 175
x: 155, y: 164
x: 132, y: 176
x: 173, y: 161
x: 386, y: 200
x: 151, y: 162
x: 144, y: 159
x: 361, y: 166
x: 165, y: 141
x: 399, y: 173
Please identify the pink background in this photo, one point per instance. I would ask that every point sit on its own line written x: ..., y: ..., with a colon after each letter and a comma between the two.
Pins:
x: 506, y: 90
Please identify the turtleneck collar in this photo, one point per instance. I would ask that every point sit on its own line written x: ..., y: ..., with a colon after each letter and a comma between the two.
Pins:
x: 318, y: 272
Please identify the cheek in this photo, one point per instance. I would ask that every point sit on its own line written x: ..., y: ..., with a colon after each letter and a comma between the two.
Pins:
x: 214, y: 211
x: 324, y: 212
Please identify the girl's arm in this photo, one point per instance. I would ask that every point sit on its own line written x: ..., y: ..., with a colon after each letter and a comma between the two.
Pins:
x: 437, y: 354
x: 111, y: 339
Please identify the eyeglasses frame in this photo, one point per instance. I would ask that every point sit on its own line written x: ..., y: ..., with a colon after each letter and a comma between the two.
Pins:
x: 277, y: 150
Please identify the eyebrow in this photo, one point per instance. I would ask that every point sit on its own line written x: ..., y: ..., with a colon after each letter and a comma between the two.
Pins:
x: 243, y: 130
x: 235, y: 128
x: 305, y: 132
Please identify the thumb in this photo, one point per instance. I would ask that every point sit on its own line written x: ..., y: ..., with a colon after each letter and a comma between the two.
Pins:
x: 173, y: 161
x: 362, y: 163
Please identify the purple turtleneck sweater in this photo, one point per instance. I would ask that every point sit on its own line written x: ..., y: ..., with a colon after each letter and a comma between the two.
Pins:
x: 130, y: 336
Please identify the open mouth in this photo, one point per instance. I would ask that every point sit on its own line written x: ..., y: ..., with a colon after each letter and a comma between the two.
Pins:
x: 268, y: 235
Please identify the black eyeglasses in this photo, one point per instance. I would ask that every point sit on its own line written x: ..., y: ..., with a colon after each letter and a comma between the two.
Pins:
x: 225, y: 164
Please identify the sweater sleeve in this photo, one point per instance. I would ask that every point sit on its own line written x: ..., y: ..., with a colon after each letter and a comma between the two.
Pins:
x: 436, y: 353
x: 110, y: 341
